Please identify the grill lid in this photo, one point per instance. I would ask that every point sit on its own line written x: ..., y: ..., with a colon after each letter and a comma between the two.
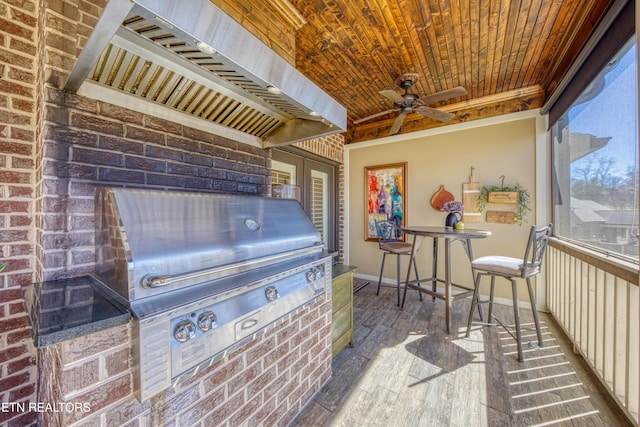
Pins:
x: 151, y: 242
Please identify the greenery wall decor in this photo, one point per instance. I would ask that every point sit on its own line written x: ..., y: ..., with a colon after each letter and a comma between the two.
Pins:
x: 523, y: 204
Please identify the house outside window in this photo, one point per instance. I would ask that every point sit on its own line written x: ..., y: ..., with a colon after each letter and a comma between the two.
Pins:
x: 595, y: 161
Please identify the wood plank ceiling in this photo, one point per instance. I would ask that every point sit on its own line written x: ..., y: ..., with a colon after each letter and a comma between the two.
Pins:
x: 508, y: 54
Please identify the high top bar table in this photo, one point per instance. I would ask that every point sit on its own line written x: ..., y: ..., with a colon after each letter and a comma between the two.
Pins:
x: 449, y: 235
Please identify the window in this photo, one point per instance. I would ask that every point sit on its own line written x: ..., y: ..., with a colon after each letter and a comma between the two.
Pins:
x: 283, y: 173
x: 319, y: 206
x: 316, y: 179
x: 595, y: 161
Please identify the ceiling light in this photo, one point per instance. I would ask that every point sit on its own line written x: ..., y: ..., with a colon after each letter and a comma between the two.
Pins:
x: 166, y: 24
x: 314, y: 113
x: 274, y: 90
x: 205, y: 48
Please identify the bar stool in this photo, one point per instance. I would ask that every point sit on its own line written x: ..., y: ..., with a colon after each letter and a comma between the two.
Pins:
x: 389, y: 242
x: 511, y: 269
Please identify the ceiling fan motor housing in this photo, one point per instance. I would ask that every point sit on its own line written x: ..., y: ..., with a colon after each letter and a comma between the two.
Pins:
x: 409, y: 99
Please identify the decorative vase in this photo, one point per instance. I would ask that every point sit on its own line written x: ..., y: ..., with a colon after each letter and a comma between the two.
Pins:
x: 451, y: 220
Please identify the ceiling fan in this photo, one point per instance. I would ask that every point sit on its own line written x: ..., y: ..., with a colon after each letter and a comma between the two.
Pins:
x: 410, y: 102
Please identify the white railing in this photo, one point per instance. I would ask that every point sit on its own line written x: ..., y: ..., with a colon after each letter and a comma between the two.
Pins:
x: 595, y: 299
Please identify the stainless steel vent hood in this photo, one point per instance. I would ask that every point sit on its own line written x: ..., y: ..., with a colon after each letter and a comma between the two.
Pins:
x: 190, y: 61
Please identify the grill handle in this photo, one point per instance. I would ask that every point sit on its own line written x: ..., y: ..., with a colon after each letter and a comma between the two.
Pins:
x: 226, y: 270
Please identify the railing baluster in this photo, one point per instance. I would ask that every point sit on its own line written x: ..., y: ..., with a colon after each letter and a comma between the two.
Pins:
x: 596, y: 300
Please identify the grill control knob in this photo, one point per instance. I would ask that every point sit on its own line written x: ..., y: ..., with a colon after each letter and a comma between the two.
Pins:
x: 311, y: 276
x: 319, y: 272
x: 271, y: 293
x: 184, y: 331
x: 207, y: 320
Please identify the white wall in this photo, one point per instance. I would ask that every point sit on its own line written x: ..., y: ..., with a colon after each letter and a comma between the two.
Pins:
x: 494, y: 147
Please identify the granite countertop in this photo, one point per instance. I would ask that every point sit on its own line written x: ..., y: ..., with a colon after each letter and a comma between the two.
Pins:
x: 340, y: 269
x: 64, y: 309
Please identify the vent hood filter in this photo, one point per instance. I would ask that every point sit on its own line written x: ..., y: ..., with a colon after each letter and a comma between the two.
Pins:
x: 195, y: 60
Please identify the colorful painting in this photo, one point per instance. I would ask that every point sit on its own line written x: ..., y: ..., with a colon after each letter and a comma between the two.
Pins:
x: 385, y: 192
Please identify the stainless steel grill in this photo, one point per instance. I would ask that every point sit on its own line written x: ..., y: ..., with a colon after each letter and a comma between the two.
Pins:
x: 203, y: 273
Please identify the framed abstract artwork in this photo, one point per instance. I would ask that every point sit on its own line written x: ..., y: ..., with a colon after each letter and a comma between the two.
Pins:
x: 386, y: 195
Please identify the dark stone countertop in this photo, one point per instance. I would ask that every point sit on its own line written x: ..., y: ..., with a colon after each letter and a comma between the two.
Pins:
x: 340, y: 269
x: 65, y: 309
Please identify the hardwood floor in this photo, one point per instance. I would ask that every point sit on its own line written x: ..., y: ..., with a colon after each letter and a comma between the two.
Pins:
x: 405, y: 371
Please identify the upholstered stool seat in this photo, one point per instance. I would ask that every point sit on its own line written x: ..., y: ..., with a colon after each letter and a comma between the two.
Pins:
x: 502, y: 264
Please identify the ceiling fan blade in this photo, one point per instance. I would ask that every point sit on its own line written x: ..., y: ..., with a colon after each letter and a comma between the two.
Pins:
x: 373, y: 116
x: 395, y: 127
x: 432, y: 113
x: 445, y: 94
x: 392, y: 95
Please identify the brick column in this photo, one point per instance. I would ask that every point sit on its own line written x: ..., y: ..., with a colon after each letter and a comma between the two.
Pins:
x: 18, y: 95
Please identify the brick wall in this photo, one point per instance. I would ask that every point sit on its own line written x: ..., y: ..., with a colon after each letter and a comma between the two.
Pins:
x: 330, y: 147
x: 18, y: 82
x: 264, y: 382
x: 88, y: 143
